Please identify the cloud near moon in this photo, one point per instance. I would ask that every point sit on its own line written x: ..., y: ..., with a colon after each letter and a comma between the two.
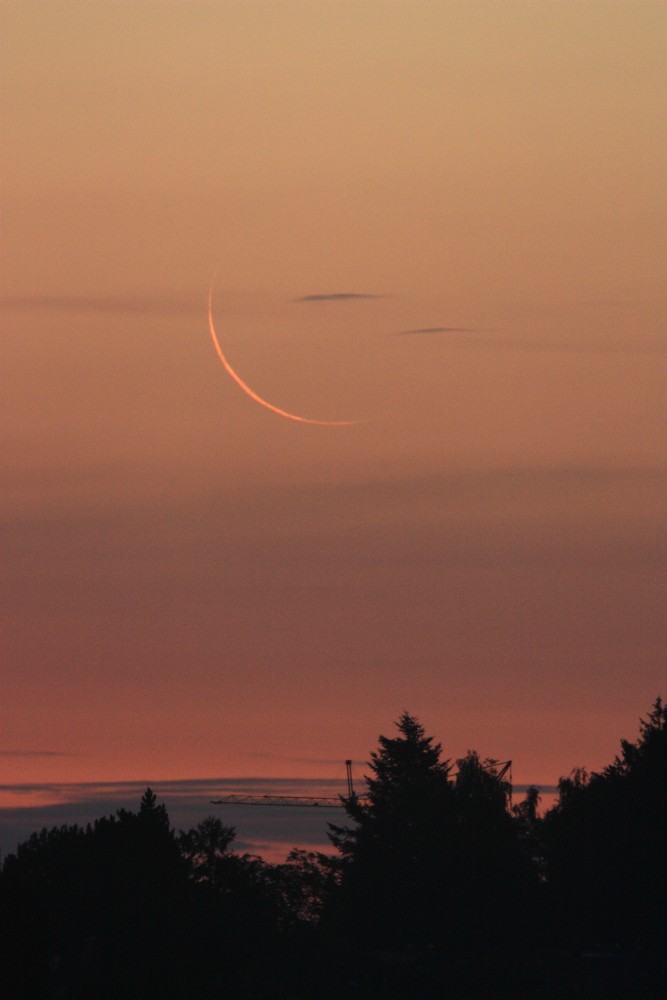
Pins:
x: 250, y: 392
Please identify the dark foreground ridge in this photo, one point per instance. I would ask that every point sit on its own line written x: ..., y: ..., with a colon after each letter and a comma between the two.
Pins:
x: 439, y: 889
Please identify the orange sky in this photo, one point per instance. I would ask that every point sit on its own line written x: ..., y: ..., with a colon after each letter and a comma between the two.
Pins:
x: 197, y: 586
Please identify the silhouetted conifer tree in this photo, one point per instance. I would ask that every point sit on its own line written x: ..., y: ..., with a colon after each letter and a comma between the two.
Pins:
x: 394, y: 879
x: 434, y: 868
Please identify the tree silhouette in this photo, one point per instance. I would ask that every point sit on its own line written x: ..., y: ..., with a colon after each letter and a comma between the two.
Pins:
x: 408, y: 788
x: 306, y: 883
x: 392, y: 883
x: 493, y: 880
x: 436, y: 876
x: 438, y: 887
x: 205, y: 849
x: 44, y: 910
x: 606, y: 861
x: 101, y: 911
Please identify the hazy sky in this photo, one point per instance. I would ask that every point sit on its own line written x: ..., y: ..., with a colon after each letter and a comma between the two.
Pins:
x: 444, y: 220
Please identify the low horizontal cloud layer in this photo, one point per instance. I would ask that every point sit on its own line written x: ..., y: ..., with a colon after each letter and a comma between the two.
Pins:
x: 270, y: 832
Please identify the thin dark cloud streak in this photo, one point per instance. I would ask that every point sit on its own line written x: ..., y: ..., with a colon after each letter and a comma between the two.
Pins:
x: 116, y: 793
x: 108, y: 791
x: 267, y: 831
x: 329, y: 761
x: 433, y: 329
x: 34, y: 753
x: 464, y: 486
x: 103, y: 304
x: 574, y: 347
x: 270, y: 832
x: 337, y: 297
x: 478, y: 340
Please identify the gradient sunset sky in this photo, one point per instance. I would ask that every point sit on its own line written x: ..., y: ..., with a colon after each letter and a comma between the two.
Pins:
x: 445, y: 221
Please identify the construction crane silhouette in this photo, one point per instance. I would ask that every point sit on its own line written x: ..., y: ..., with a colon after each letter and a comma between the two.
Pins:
x: 312, y: 801
x: 338, y: 801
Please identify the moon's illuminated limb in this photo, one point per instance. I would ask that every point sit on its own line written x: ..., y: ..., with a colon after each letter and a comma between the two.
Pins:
x: 250, y: 392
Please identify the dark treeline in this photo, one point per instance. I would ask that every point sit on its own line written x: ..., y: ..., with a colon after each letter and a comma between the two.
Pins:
x: 439, y: 888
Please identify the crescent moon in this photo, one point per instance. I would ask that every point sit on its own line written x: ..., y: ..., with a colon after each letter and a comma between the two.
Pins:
x: 250, y: 392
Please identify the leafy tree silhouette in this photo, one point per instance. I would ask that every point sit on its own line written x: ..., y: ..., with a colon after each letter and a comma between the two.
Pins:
x: 306, y: 882
x: 43, y: 910
x: 205, y: 848
x: 493, y: 882
x: 529, y: 827
x: 97, y: 912
x: 235, y: 916
x: 606, y: 860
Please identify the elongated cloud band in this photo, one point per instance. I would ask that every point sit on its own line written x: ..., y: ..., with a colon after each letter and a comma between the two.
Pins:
x: 337, y: 297
x: 436, y: 329
x: 102, y: 303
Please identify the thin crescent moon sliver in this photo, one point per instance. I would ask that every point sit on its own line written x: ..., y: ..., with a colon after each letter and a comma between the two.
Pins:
x: 250, y: 392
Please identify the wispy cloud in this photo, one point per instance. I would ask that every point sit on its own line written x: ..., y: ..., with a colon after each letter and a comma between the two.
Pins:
x: 539, y: 345
x: 434, y: 329
x: 119, y: 792
x: 103, y: 303
x: 33, y: 753
x: 558, y: 346
x: 337, y: 297
x: 269, y: 832
x: 334, y: 762
x: 27, y: 807
x: 105, y: 795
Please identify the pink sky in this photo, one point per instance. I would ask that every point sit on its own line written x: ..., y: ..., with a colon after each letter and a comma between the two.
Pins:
x: 197, y: 586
